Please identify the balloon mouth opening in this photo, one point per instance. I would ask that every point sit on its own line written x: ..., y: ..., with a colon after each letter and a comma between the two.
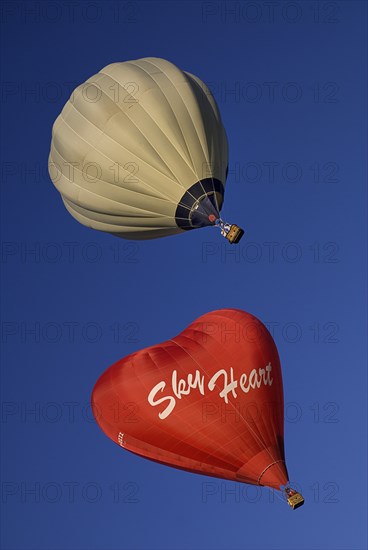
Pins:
x: 200, y: 205
x: 273, y: 475
x: 205, y: 211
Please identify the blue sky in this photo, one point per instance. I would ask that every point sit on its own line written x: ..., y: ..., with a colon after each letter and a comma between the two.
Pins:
x: 290, y: 81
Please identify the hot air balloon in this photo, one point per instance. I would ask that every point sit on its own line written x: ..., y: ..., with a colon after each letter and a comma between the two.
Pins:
x: 140, y: 151
x: 209, y: 401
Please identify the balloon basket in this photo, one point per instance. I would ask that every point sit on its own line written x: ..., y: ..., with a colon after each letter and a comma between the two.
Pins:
x: 235, y: 234
x: 294, y: 499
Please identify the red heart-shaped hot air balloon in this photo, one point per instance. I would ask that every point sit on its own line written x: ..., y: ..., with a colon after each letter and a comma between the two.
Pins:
x: 209, y: 401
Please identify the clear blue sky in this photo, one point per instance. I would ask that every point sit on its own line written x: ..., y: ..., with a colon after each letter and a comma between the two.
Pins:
x: 291, y: 85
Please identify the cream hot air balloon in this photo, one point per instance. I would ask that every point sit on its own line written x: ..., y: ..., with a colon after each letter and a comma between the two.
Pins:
x: 140, y: 151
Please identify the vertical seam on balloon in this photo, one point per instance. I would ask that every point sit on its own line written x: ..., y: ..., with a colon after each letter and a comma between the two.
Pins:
x: 70, y: 104
x: 191, y: 119
x: 122, y: 147
x: 86, y: 190
x: 226, y: 317
x: 108, y: 183
x: 213, y: 185
x: 173, y: 112
x: 280, y: 393
x: 158, y: 126
x: 161, y: 90
x: 252, y: 431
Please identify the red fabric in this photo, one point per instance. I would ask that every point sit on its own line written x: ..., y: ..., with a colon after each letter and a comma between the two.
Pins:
x: 230, y: 428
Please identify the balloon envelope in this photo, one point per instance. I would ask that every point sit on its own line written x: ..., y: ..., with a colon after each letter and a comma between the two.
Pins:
x: 208, y: 401
x: 140, y: 151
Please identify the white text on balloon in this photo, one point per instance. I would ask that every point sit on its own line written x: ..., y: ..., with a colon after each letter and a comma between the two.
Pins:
x: 183, y: 387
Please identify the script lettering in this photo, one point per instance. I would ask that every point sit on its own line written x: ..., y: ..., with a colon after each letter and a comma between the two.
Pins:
x: 222, y: 380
